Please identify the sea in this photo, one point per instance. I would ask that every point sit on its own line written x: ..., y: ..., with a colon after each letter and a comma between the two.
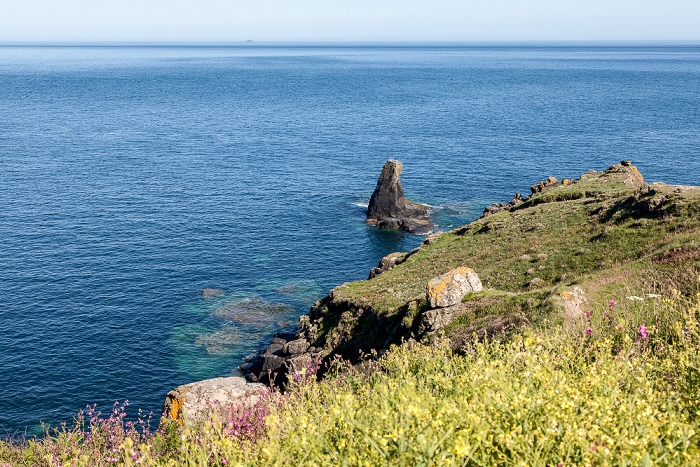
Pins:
x: 133, y: 177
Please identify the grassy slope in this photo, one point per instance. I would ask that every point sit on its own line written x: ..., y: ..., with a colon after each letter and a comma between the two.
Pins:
x: 597, y: 233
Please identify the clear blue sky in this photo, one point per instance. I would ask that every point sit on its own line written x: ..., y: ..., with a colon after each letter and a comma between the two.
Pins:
x: 348, y: 20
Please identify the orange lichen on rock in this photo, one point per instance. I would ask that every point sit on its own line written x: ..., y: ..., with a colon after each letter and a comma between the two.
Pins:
x: 449, y: 288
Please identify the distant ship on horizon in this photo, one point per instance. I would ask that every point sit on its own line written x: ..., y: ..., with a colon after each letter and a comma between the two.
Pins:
x: 249, y: 40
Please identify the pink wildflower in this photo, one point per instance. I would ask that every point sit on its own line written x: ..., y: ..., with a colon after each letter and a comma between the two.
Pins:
x: 643, y: 332
x: 612, y: 304
x: 589, y: 331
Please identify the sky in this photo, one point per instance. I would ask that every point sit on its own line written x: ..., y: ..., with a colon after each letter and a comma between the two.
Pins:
x: 349, y: 20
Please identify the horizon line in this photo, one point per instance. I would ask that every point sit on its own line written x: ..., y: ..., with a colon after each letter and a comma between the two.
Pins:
x: 249, y: 42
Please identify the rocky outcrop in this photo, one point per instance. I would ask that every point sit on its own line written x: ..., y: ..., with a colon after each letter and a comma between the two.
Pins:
x: 450, y: 288
x: 334, y: 328
x: 542, y: 186
x: 628, y: 174
x: 433, y: 320
x: 388, y: 209
x: 387, y: 263
x: 204, y: 400
x: 624, y: 171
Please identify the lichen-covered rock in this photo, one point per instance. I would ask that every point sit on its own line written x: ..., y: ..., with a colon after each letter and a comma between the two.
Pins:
x: 542, y: 186
x: 574, y: 303
x: 450, y: 288
x: 430, y: 239
x: 392, y: 259
x: 205, y: 400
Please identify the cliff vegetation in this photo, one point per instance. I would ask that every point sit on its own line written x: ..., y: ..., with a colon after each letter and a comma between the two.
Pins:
x: 581, y: 349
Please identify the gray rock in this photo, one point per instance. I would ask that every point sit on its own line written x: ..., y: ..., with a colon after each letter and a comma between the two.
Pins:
x: 386, y: 263
x: 435, y: 319
x: 451, y: 287
x: 205, y: 400
x: 295, y: 347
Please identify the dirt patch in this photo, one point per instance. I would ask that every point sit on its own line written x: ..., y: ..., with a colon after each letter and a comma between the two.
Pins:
x: 676, y: 256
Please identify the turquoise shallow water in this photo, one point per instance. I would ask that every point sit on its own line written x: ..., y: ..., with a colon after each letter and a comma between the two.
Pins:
x: 134, y: 177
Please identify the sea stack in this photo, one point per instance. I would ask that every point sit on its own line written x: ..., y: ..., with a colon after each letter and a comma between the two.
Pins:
x: 388, y: 209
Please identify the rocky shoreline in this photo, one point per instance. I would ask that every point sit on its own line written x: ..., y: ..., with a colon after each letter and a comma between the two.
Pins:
x: 330, y: 330
x: 362, y: 319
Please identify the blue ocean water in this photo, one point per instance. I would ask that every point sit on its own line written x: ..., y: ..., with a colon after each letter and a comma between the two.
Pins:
x: 131, y: 178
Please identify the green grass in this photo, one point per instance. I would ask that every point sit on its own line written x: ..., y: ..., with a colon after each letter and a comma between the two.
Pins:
x: 621, y: 389
x: 588, y: 234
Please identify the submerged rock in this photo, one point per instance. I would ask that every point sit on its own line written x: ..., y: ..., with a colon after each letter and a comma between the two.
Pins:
x: 388, y: 209
x: 223, y: 341
x: 252, y: 310
x: 210, y: 293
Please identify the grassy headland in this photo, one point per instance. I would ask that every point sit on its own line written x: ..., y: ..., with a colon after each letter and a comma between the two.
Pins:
x: 583, y: 349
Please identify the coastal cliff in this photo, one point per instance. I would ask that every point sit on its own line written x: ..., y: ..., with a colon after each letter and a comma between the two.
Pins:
x: 543, y: 258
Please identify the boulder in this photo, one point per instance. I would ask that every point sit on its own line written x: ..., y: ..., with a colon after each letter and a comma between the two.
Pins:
x: 295, y: 347
x: 417, y: 226
x: 206, y: 400
x: 451, y: 287
x: 388, y: 209
x: 435, y: 319
x: 430, y: 239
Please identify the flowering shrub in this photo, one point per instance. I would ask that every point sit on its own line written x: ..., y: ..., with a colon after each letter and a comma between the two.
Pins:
x: 625, y: 393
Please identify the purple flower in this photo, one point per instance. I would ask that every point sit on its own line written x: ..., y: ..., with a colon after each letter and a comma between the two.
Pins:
x: 607, y: 315
x: 612, y: 304
x: 643, y: 332
x: 589, y: 331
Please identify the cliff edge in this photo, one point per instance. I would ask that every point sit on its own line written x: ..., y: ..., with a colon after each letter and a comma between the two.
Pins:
x: 546, y: 258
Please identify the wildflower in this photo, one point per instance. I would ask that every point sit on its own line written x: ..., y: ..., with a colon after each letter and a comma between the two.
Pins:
x: 612, y: 304
x: 643, y: 332
x: 589, y: 331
